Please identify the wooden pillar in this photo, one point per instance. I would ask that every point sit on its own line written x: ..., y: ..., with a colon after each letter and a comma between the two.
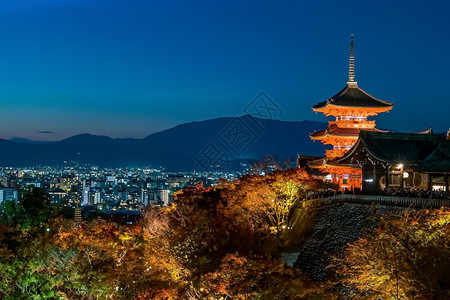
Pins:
x: 374, y: 171
x: 335, y: 178
x: 374, y: 176
x: 446, y: 182
x: 430, y: 182
x: 387, y: 175
x: 402, y: 180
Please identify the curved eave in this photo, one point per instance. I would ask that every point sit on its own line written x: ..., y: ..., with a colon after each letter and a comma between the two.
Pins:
x: 325, y: 135
x: 352, y: 150
x: 327, y: 165
x: 353, y: 91
x: 318, y: 133
x: 374, y: 129
x: 371, y: 152
x: 329, y: 106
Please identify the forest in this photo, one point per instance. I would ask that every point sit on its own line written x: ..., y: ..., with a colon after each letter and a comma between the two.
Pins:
x: 223, y: 242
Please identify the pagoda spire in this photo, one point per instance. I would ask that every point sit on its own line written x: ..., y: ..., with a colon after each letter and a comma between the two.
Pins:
x: 351, y: 65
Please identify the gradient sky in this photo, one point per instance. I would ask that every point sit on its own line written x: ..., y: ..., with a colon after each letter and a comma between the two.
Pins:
x: 133, y: 67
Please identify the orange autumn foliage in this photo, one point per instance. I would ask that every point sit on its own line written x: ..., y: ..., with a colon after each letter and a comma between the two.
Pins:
x: 407, y: 257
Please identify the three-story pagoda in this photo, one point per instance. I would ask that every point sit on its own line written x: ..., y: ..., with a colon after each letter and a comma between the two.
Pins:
x: 351, y: 108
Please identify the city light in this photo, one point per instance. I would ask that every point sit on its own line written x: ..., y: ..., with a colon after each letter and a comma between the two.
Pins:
x: 142, y: 157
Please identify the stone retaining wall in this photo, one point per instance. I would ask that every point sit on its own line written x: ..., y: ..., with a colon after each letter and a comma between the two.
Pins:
x: 333, y: 227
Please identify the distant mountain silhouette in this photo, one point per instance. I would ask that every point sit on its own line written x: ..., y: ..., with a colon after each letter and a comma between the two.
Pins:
x: 190, y: 146
x: 22, y: 140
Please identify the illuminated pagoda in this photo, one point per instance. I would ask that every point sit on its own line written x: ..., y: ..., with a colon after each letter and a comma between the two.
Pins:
x: 351, y: 107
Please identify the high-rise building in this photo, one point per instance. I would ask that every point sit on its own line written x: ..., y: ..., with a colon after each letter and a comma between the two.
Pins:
x: 164, y: 194
x: 8, y: 194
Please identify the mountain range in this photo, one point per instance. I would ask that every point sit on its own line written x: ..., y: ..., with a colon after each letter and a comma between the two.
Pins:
x: 215, y: 143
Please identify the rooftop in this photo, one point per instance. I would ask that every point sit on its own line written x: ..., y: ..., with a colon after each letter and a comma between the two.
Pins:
x: 353, y: 96
x: 421, y: 151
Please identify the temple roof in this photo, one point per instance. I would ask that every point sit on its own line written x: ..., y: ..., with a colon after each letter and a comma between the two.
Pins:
x: 353, y: 96
x: 303, y: 161
x: 420, y: 151
x: 344, y: 132
x: 438, y: 160
x: 334, y: 130
x: 324, y: 162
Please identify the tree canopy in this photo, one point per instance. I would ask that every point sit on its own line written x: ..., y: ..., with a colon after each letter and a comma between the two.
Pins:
x: 214, y: 243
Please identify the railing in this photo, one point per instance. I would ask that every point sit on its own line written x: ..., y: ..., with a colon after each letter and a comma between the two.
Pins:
x: 352, y: 123
x: 382, y: 200
x: 335, y: 152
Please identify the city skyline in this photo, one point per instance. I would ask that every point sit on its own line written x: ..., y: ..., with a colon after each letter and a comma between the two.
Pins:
x: 129, y: 69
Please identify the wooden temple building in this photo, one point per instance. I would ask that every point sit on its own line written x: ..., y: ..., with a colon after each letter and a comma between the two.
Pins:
x: 351, y: 108
x: 402, y: 160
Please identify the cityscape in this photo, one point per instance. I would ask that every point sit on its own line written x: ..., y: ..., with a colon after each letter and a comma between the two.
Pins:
x: 105, y: 189
x: 224, y: 150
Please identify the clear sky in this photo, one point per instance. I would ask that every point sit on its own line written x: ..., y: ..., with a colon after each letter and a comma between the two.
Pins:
x: 133, y: 67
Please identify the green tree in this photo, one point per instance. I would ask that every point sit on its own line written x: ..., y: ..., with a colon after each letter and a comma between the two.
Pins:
x: 22, y: 269
x: 36, y: 206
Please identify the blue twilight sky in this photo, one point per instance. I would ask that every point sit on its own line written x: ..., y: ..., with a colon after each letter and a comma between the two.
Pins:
x: 133, y: 67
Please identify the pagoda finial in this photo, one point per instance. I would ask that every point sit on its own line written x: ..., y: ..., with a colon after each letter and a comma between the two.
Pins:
x: 351, y: 65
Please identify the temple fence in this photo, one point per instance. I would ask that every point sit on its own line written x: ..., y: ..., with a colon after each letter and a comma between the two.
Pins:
x: 372, y: 199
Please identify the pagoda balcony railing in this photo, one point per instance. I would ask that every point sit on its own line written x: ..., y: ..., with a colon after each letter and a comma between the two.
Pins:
x: 334, y: 153
x: 374, y: 199
x: 353, y: 123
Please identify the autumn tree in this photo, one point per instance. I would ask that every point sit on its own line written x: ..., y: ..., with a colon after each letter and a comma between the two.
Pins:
x: 166, y: 255
x: 267, y: 200
x: 108, y: 256
x: 244, y: 277
x: 407, y: 257
x: 166, y: 265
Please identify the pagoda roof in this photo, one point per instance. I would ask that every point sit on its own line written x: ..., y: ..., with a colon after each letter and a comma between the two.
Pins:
x: 422, y: 151
x: 303, y: 161
x: 324, y: 162
x: 334, y: 130
x: 317, y: 163
x: 343, y: 132
x: 353, y: 96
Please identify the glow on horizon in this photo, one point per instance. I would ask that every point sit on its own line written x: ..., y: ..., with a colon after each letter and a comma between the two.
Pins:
x: 131, y: 68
